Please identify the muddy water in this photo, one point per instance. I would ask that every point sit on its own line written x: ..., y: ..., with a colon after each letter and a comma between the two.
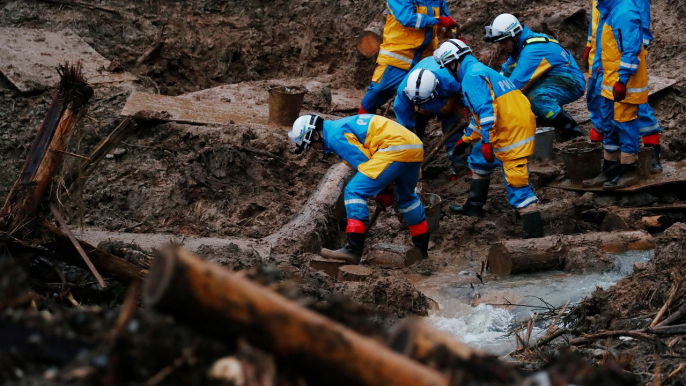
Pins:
x: 481, y: 314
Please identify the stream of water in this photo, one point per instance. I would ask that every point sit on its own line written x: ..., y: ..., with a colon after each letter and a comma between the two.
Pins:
x: 481, y: 314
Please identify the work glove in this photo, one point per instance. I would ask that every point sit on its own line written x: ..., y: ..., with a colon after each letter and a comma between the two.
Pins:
x: 586, y: 53
x: 619, y: 91
x: 462, y: 39
x: 447, y: 22
x: 385, y: 198
x: 487, y: 151
x: 459, y: 149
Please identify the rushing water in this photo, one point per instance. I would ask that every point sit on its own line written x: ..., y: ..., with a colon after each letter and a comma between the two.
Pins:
x: 503, y: 302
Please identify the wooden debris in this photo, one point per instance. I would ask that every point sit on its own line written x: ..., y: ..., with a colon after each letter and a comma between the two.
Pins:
x: 328, y: 266
x: 546, y: 253
x: 146, y: 106
x: 68, y: 106
x: 225, y: 304
x: 65, y: 229
x: 28, y: 58
x: 304, y: 231
x: 437, y: 349
x: 458, y: 127
x: 656, y: 222
x: 394, y: 255
x: 353, y: 273
x: 372, y: 36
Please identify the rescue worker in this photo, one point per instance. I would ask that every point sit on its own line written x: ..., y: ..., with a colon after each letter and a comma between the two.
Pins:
x: 649, y: 128
x: 410, y: 35
x: 502, y: 128
x: 430, y: 91
x: 624, y: 90
x: 382, y: 152
x: 544, y: 70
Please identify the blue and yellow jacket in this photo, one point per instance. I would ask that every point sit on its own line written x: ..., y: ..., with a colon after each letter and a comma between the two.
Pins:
x: 445, y: 103
x: 411, y: 31
x: 501, y: 114
x: 643, y: 7
x: 622, y: 56
x: 538, y: 54
x: 369, y: 143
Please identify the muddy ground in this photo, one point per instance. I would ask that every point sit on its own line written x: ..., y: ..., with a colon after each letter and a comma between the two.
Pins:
x: 191, y: 180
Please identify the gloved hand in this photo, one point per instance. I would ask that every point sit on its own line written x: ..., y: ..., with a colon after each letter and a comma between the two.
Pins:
x: 385, y: 198
x: 586, y: 53
x: 462, y: 39
x: 459, y: 149
x: 447, y: 22
x: 619, y: 91
x: 487, y: 151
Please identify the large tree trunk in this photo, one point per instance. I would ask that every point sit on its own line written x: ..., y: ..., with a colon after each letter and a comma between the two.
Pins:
x: 46, y: 152
x: 226, y: 304
x: 518, y: 256
x: 306, y: 231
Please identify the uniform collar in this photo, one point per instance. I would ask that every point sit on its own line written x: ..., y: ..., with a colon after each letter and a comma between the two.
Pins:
x: 466, y: 62
x: 326, y: 129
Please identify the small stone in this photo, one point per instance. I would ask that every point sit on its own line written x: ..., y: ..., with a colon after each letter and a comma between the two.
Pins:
x: 109, y: 156
x: 637, y: 199
x: 118, y: 152
x: 605, y: 201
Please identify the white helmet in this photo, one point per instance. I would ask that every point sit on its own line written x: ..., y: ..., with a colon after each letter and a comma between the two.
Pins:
x: 301, y: 134
x: 451, y: 50
x: 504, y: 26
x: 421, y: 86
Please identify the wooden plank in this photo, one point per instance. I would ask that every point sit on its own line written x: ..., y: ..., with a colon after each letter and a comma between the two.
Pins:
x: 673, y: 173
x: 147, y: 106
x: 28, y: 58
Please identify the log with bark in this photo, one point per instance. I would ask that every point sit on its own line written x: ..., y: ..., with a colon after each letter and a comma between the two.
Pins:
x: 307, y: 229
x: 423, y: 343
x: 227, y: 305
x: 372, y: 36
x: 546, y: 253
x: 68, y: 106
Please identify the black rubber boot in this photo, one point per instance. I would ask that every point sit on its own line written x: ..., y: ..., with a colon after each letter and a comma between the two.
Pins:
x: 420, y: 123
x: 350, y: 253
x: 566, y: 125
x: 422, y: 243
x: 533, y: 225
x: 610, y: 171
x: 478, y: 193
x: 627, y: 176
x: 655, y: 165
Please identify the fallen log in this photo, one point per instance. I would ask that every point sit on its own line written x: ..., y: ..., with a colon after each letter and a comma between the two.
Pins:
x: 68, y: 106
x: 307, y: 229
x: 546, y: 253
x: 104, y: 262
x: 227, y: 304
x: 423, y: 343
x: 372, y: 36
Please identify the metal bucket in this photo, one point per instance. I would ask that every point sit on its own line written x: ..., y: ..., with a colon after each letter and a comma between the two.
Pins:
x: 583, y: 160
x: 543, y: 145
x: 432, y: 206
x: 285, y: 103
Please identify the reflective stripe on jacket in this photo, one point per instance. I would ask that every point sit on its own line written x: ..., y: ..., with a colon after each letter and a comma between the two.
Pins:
x: 447, y: 87
x: 499, y: 110
x: 411, y: 31
x: 539, y: 54
x: 623, y: 57
x: 369, y: 143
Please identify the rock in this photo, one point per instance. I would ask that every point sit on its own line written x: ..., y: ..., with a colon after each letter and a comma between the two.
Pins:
x: 318, y: 96
x: 109, y: 156
x: 678, y: 229
x: 118, y: 152
x: 637, y: 199
x: 228, y: 369
x: 669, y: 197
x: 587, y: 199
x: 604, y: 201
